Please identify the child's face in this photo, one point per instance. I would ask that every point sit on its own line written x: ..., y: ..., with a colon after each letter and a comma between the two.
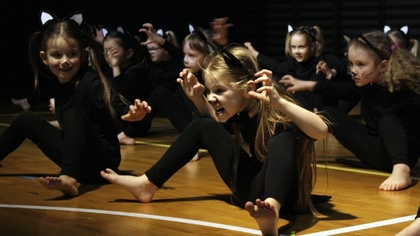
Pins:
x: 63, y: 58
x: 192, y: 58
x: 300, y: 47
x: 226, y: 99
x: 114, y: 54
x: 157, y: 53
x: 362, y: 66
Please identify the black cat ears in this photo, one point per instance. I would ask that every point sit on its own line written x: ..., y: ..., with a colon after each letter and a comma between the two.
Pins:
x: 310, y: 31
x: 46, y: 17
x: 362, y: 39
x: 210, y: 44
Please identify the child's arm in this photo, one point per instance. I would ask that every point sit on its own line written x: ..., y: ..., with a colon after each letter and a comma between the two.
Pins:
x: 295, y: 85
x: 194, y: 91
x: 309, y: 122
x: 137, y: 111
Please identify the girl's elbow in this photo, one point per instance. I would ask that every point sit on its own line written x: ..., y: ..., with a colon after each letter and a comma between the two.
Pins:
x: 321, y: 134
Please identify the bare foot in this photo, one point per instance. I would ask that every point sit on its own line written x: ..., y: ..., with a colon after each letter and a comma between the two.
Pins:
x: 398, y: 180
x: 140, y: 186
x: 63, y: 183
x: 412, y: 230
x: 266, y: 214
x: 125, y: 140
x: 196, y: 157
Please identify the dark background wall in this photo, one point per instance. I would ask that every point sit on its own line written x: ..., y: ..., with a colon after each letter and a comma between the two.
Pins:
x: 263, y: 22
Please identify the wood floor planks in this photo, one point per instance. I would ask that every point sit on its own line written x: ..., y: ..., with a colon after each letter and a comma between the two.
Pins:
x: 194, y: 201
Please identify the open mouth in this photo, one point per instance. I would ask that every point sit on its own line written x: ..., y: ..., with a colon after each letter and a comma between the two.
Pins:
x: 64, y: 69
x: 219, y: 111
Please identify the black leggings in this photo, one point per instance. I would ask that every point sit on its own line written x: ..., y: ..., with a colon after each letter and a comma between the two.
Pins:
x: 273, y: 178
x: 391, y: 146
x: 79, y: 151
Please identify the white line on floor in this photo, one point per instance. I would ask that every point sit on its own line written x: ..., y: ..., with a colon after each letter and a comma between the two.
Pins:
x: 363, y: 226
x: 137, y: 215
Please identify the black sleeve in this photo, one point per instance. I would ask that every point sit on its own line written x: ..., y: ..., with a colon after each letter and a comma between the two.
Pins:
x: 346, y: 90
x: 279, y: 69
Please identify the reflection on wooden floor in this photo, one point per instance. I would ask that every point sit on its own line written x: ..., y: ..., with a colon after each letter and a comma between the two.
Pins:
x: 194, y: 201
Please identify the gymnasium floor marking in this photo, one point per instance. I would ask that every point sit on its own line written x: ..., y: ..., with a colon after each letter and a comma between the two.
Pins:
x: 356, y: 170
x: 347, y: 169
x: 363, y: 226
x: 136, y: 215
x: 222, y: 226
x: 209, y: 224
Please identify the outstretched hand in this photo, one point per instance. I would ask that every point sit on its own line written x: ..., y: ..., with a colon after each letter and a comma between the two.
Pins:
x: 220, y: 29
x: 266, y: 93
x: 137, y: 111
x: 295, y: 85
x: 323, y: 67
x: 192, y: 87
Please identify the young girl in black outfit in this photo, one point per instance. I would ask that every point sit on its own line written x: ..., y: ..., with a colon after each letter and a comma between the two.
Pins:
x: 166, y: 64
x: 128, y: 64
x: 278, y: 173
x: 127, y: 73
x: 304, y: 49
x: 174, y: 104
x: 85, y: 106
x: 388, y: 78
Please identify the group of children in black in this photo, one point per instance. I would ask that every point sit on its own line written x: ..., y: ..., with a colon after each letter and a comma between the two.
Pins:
x: 110, y: 86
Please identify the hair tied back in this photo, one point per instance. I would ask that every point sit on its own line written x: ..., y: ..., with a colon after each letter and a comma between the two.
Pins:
x: 393, y: 47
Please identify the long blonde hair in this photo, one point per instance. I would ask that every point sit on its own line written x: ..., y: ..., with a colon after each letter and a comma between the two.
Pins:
x: 270, y: 118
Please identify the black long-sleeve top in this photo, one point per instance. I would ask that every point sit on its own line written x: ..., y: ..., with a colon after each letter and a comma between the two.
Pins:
x: 165, y: 73
x: 86, y: 92
x: 305, y: 71
x: 377, y: 101
x: 132, y: 83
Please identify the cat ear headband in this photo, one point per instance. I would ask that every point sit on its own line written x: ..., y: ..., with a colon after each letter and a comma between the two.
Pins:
x: 212, y: 47
x: 46, y: 17
x: 104, y: 31
x: 403, y: 29
x: 159, y: 32
x: 362, y: 39
x: 233, y: 62
x: 119, y: 29
x: 307, y: 30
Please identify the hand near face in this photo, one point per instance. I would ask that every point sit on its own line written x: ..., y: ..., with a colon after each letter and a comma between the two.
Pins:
x: 112, y: 57
x: 192, y: 88
x: 152, y: 36
x: 137, y: 111
x: 267, y: 92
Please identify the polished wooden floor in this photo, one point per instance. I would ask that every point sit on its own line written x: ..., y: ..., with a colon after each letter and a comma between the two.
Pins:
x: 194, y: 201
